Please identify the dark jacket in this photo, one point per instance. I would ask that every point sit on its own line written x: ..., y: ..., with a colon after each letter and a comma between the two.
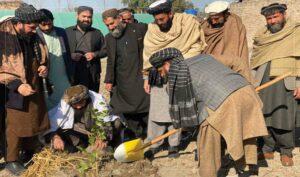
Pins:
x: 69, y: 63
x: 97, y: 44
x: 111, y: 43
x: 124, y: 71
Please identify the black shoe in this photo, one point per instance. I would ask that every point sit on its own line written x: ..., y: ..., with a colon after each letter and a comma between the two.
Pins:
x: 173, y: 152
x: 15, y: 168
x: 25, y: 156
x: 151, y: 152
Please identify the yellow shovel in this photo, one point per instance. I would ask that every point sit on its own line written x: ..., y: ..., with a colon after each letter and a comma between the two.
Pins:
x: 134, y: 150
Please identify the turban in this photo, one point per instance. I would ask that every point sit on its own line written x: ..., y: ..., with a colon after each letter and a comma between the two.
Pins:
x: 84, y: 8
x: 27, y: 14
x: 161, y: 6
x: 114, y: 13
x: 275, y: 6
x: 157, y: 59
x: 47, y: 14
x: 76, y: 94
x: 217, y: 7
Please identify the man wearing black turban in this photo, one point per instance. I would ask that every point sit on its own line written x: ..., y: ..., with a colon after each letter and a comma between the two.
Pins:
x: 203, y: 92
x: 23, y: 63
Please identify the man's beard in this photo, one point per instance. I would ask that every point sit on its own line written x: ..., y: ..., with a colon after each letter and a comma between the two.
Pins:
x: 119, y: 30
x: 217, y: 25
x: 276, y: 27
x: 167, y: 26
x: 25, y: 36
x: 84, y: 26
x: 48, y: 31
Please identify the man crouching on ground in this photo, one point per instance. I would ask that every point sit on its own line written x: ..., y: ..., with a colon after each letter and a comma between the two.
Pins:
x: 73, y: 120
x: 204, y: 92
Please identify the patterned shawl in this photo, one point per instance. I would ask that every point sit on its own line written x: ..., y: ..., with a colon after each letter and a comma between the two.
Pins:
x: 182, y: 102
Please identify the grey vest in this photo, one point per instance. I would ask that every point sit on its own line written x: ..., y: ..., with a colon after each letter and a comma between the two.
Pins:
x: 212, y: 82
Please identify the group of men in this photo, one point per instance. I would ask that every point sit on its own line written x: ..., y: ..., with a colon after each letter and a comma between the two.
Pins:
x: 176, y: 72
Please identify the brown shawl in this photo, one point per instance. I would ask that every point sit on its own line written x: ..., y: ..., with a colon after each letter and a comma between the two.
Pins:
x: 281, y: 48
x: 33, y: 118
x: 239, y: 120
x: 185, y: 35
x: 12, y: 61
x: 228, y: 40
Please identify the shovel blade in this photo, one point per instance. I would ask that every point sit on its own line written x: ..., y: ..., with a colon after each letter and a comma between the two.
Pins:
x: 128, y: 151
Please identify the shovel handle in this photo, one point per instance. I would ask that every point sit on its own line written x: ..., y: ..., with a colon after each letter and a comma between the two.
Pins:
x: 277, y: 79
x: 159, y: 138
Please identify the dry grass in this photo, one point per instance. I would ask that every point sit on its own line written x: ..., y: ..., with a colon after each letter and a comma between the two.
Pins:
x: 48, y: 162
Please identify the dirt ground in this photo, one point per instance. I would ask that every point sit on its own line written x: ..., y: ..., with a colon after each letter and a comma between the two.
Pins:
x: 184, y: 166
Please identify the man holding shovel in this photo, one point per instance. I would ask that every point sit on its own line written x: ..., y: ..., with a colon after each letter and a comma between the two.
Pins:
x: 204, y: 92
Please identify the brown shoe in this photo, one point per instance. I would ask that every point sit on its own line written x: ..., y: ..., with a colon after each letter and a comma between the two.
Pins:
x: 286, y: 161
x: 266, y: 156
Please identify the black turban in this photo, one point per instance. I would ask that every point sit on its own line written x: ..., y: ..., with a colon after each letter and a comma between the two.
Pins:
x: 27, y: 14
x: 157, y: 59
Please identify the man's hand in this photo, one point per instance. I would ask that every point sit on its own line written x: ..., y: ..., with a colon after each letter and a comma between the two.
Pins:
x: 89, y: 56
x: 108, y: 87
x: 58, y: 143
x: 43, y: 71
x: 297, y: 93
x: 147, y: 87
x: 25, y: 90
x: 100, y: 144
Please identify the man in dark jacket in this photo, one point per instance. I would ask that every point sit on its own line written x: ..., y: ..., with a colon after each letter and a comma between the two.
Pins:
x: 124, y: 66
x: 61, y: 66
x: 87, y: 47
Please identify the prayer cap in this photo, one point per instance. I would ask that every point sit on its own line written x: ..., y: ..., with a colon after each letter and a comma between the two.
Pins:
x: 27, y: 14
x: 273, y: 7
x: 217, y: 7
x: 160, y: 6
x: 157, y: 59
x: 47, y: 14
x: 84, y: 8
x: 114, y: 13
x: 76, y: 94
